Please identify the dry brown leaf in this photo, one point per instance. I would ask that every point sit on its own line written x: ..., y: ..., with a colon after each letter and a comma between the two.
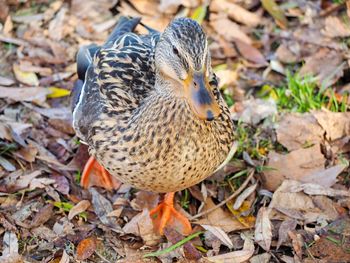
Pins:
x: 297, y: 242
x: 326, y: 66
x: 294, y: 165
x: 250, y: 53
x: 141, y: 225
x: 235, y: 12
x: 262, y: 258
x: 37, y: 95
x: 102, y: 207
x: 315, y: 189
x: 56, y: 26
x: 220, y: 234
x: 253, y: 110
x: 219, y: 218
x: 285, y: 227
x: 276, y: 12
x: 6, y: 81
x: 78, y: 208
x: 229, y: 30
x: 86, y: 248
x: 295, y: 131
x: 236, y: 256
x: 326, y: 177
x: 263, y: 229
x: 334, y: 27
x: 336, y: 124
x: 288, y: 52
x: 42, y: 216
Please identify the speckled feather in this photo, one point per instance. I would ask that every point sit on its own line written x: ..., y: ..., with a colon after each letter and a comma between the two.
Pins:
x: 149, y: 140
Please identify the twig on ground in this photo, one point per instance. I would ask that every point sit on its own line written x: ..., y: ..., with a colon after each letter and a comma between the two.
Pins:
x: 237, y: 192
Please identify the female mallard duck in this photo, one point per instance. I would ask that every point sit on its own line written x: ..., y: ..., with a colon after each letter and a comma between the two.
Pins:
x: 150, y: 110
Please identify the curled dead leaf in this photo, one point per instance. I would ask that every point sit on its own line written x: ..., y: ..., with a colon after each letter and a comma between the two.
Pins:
x: 78, y: 208
x: 86, y: 248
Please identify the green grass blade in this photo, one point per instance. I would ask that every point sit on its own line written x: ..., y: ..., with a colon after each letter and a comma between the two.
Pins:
x: 173, y: 247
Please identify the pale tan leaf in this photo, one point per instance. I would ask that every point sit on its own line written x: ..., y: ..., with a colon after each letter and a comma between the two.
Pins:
x: 236, y: 256
x: 243, y: 196
x: 315, y: 189
x: 64, y: 258
x: 78, y: 208
x: 334, y: 27
x: 28, y: 78
x: 296, y: 130
x: 229, y: 30
x: 236, y: 12
x: 24, y: 94
x: 220, y: 234
x: 294, y: 165
x: 263, y: 229
x: 326, y: 177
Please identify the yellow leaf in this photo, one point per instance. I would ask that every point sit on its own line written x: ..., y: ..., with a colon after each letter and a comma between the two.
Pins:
x: 199, y: 14
x: 276, y: 12
x: 57, y: 92
x: 25, y: 77
x: 247, y: 221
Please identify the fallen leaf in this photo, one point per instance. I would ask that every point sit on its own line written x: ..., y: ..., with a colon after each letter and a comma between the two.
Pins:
x: 78, y: 208
x: 42, y: 216
x: 253, y: 111
x: 229, y: 30
x: 64, y: 258
x: 199, y: 13
x: 37, y: 95
x: 236, y: 256
x: 275, y: 11
x: 295, y: 131
x: 315, y: 189
x: 10, y: 248
x: 263, y: 229
x: 220, y: 234
x: 219, y: 218
x: 6, y: 81
x: 285, y: 227
x: 28, y: 78
x: 334, y: 27
x: 235, y: 12
x: 243, y: 196
x: 250, y: 53
x: 86, y: 248
x: 7, y: 165
x: 336, y: 124
x: 297, y: 242
x: 102, y: 208
x: 262, y: 258
x: 326, y: 177
x: 326, y: 66
x: 294, y: 165
x: 141, y: 225
x: 57, y: 92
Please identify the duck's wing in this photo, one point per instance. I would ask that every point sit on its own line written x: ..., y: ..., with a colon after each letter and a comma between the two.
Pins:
x: 115, y: 77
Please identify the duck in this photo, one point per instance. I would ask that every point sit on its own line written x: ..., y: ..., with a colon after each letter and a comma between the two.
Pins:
x: 150, y: 110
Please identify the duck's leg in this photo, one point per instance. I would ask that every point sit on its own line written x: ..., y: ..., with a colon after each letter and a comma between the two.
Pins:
x: 166, y: 215
x: 95, y: 174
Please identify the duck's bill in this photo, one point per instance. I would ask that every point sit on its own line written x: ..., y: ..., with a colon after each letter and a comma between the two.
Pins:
x: 200, y: 97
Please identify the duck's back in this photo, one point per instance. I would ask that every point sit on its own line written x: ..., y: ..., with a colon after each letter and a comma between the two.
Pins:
x: 115, y: 77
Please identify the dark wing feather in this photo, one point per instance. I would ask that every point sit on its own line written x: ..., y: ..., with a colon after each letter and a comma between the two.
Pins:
x: 117, y: 76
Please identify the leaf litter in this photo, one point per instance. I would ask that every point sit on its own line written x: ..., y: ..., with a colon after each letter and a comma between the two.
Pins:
x: 299, y: 191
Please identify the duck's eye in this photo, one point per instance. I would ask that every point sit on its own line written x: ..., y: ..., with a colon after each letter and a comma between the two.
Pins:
x: 176, y: 52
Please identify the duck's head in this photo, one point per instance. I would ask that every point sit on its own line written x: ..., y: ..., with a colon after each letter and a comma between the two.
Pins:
x: 182, y: 59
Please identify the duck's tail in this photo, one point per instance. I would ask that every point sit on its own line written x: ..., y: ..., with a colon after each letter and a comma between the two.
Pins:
x: 124, y: 25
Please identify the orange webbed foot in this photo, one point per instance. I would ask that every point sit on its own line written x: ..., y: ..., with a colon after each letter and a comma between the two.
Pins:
x: 95, y: 175
x: 166, y: 215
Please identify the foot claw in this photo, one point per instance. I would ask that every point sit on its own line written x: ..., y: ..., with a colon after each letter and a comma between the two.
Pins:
x: 166, y: 215
x: 95, y: 174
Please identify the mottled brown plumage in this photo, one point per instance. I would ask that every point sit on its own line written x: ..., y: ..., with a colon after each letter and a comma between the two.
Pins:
x: 132, y: 113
